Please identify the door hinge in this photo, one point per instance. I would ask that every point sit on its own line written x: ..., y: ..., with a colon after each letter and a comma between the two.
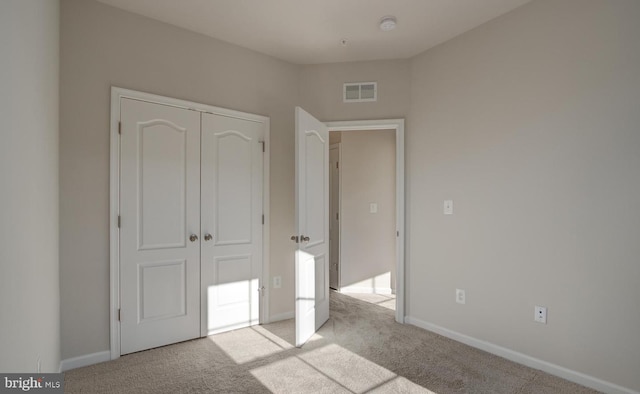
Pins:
x: 118, y: 221
x: 263, y: 219
x: 119, y: 127
x: 119, y: 315
x: 397, y: 233
x: 337, y: 164
x: 337, y: 217
x: 263, y: 148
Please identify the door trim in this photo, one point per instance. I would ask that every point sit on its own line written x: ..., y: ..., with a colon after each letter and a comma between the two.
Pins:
x: 114, y: 202
x: 398, y: 126
x: 338, y: 146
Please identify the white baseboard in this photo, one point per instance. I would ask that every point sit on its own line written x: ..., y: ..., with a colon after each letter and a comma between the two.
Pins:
x: 366, y: 290
x: 282, y: 316
x: 83, y: 361
x: 521, y: 358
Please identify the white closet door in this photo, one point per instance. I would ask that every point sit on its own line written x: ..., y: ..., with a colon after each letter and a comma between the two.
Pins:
x: 160, y: 224
x: 231, y: 222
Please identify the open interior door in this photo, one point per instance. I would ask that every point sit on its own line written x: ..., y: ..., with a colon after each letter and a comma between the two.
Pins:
x: 312, y: 225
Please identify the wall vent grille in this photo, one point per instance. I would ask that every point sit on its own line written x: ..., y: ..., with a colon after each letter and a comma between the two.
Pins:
x: 358, y: 92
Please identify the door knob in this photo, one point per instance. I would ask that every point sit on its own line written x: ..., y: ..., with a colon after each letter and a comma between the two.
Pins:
x: 193, y: 238
x: 208, y: 237
x: 304, y: 239
x: 294, y: 238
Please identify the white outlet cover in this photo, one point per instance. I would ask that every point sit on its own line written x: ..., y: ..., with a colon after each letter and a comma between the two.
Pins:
x: 373, y: 207
x: 448, y: 207
x: 460, y: 296
x: 277, y: 282
x: 540, y: 314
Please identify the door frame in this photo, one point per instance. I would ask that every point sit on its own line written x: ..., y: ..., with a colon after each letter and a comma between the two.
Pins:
x: 398, y: 126
x: 117, y: 94
x: 338, y: 146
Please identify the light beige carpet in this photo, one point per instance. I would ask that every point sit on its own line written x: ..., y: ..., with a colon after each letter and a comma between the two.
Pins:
x: 385, y: 300
x: 360, y: 349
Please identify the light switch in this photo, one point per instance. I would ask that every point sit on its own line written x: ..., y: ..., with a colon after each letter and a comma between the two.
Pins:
x: 373, y: 207
x: 448, y: 207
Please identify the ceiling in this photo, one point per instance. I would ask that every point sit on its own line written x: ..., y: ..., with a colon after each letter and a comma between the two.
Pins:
x: 310, y: 31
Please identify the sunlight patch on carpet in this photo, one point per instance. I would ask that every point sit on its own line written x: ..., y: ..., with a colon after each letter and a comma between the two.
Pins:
x: 246, y: 345
x: 282, y: 342
x: 354, y: 372
x: 293, y: 375
x: 330, y: 369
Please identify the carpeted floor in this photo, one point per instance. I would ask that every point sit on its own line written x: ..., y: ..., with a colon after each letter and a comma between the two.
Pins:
x: 360, y: 349
x: 385, y: 300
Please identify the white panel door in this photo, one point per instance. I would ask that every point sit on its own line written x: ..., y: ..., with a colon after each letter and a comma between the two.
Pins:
x: 334, y: 218
x: 160, y: 223
x: 231, y: 222
x: 312, y: 226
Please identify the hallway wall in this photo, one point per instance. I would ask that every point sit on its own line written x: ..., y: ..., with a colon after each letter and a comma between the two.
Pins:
x: 368, y: 240
x: 29, y: 270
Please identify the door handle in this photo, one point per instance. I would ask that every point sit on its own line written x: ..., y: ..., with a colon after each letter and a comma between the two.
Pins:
x: 208, y: 237
x: 299, y: 239
x: 193, y: 238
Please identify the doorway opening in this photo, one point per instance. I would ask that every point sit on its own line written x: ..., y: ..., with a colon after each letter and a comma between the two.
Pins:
x: 312, y: 218
x: 362, y: 220
x: 367, y: 207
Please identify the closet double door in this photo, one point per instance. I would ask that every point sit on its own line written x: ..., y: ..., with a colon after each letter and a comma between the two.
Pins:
x: 191, y: 209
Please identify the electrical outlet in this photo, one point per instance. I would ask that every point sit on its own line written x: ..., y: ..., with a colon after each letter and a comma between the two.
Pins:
x: 540, y: 314
x: 448, y: 207
x: 277, y: 282
x: 460, y: 296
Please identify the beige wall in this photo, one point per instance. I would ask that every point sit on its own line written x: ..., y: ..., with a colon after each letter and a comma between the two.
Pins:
x: 102, y: 46
x: 334, y: 137
x: 368, y: 242
x: 29, y: 285
x: 321, y: 89
x: 530, y: 123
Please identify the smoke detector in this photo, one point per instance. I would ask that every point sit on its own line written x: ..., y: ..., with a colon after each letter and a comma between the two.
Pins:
x: 388, y: 23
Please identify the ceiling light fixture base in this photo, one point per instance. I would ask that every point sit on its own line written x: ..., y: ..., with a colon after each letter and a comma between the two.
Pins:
x: 388, y: 23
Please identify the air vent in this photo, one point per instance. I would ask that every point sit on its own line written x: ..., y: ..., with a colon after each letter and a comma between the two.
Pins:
x: 360, y: 92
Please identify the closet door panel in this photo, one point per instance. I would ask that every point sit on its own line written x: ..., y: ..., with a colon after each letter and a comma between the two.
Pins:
x: 232, y: 217
x: 160, y: 210
x: 233, y: 177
